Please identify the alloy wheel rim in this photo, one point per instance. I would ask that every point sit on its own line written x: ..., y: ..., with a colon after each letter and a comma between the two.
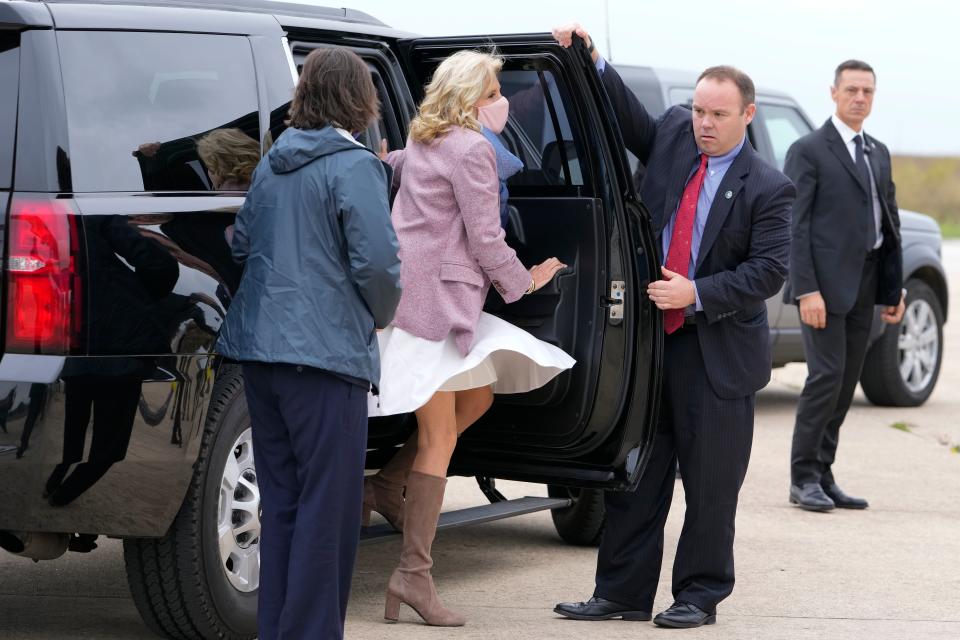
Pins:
x: 918, y: 346
x: 238, y: 517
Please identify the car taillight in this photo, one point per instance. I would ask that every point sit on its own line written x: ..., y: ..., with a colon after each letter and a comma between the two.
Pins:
x: 43, y: 285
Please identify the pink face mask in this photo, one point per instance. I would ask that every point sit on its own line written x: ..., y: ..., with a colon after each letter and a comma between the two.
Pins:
x: 494, y: 115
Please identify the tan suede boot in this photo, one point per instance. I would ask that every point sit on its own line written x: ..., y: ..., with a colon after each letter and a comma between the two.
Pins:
x: 383, y: 491
x: 411, y: 583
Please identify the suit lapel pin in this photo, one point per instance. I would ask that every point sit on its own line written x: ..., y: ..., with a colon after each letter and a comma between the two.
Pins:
x: 728, y: 195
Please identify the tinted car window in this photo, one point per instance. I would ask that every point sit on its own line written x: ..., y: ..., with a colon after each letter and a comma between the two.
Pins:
x: 385, y: 127
x: 9, y: 81
x: 784, y: 125
x: 543, y: 138
x: 138, y: 103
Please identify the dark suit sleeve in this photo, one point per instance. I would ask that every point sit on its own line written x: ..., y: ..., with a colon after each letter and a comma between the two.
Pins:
x: 762, y: 273
x: 892, y: 201
x: 892, y: 277
x: 801, y: 169
x: 637, y: 126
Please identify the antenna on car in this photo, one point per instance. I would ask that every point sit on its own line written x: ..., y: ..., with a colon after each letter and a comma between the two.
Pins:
x: 606, y: 17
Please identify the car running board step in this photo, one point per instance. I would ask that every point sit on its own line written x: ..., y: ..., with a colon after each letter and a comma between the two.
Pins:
x: 473, y: 515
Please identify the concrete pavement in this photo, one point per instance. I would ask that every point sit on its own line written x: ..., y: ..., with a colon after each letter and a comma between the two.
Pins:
x: 890, y: 572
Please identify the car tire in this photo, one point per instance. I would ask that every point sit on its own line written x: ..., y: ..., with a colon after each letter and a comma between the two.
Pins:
x: 581, y: 523
x: 902, y: 366
x: 180, y: 583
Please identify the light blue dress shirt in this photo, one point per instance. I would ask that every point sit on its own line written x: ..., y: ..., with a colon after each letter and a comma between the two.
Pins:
x: 716, y: 169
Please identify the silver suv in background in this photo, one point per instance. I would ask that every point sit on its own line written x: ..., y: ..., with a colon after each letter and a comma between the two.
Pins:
x: 903, y: 362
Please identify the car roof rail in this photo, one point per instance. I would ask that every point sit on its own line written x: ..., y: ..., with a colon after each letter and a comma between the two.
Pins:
x: 248, y: 6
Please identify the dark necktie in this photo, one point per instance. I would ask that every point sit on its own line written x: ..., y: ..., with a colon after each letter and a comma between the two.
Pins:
x: 678, y: 256
x: 862, y: 161
x: 865, y: 174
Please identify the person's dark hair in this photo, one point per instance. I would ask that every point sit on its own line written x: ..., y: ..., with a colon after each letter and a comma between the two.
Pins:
x: 852, y: 65
x: 335, y: 88
x: 748, y: 93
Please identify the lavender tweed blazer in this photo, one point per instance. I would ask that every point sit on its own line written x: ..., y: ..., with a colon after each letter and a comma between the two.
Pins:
x: 452, y: 248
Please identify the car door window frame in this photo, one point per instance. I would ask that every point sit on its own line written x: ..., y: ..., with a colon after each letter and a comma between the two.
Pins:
x: 394, y: 104
x: 552, y: 91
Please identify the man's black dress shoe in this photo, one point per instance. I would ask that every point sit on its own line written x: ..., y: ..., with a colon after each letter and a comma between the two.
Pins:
x: 683, y: 615
x: 811, y: 497
x: 842, y: 500
x: 599, y: 609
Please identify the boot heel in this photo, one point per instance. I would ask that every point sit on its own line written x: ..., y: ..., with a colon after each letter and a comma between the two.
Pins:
x: 391, y: 610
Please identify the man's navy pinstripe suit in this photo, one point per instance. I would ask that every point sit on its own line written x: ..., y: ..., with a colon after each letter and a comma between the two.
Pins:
x: 711, y: 371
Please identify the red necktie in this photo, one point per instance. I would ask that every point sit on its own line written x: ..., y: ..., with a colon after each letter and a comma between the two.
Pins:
x: 678, y: 257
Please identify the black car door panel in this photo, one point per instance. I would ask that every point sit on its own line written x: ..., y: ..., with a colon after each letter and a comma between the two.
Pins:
x: 574, y: 199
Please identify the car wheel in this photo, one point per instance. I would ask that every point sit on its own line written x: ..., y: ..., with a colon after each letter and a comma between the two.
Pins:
x: 902, y: 367
x: 200, y: 580
x: 581, y: 523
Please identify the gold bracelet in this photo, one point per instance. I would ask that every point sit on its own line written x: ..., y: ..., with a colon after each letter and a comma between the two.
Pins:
x: 531, y: 288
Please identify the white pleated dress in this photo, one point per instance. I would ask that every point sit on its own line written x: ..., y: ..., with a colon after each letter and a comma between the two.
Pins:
x: 412, y: 369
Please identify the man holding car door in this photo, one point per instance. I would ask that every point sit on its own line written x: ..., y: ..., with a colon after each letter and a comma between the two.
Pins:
x: 721, y: 216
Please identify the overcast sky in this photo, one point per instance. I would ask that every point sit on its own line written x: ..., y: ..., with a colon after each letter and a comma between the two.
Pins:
x: 788, y: 45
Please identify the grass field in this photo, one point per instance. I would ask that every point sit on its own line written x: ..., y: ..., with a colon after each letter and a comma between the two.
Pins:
x: 931, y: 186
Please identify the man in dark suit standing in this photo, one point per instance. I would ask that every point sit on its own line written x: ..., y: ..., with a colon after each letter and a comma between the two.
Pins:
x: 845, y: 257
x: 721, y: 216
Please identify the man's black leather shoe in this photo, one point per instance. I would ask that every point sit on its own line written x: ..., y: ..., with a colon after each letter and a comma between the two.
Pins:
x: 811, y: 497
x: 599, y: 609
x: 842, y: 500
x: 683, y: 615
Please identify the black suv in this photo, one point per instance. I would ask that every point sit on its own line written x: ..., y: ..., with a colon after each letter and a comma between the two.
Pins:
x: 117, y: 418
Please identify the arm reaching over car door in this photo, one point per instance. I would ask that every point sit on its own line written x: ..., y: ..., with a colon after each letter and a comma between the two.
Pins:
x: 721, y: 215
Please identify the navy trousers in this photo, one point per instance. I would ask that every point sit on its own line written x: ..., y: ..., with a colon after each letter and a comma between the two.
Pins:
x: 309, y: 443
x: 711, y: 438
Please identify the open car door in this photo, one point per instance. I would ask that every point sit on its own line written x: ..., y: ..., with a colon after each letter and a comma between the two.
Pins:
x: 591, y: 426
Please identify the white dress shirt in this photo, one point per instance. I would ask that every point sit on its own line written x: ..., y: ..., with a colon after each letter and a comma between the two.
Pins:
x: 847, y: 135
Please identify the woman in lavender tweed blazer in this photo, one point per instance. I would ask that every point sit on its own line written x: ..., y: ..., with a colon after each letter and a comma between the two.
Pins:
x: 442, y: 357
x: 453, y: 248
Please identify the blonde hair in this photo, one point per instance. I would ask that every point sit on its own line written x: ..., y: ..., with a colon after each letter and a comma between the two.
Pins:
x: 456, y: 86
x: 230, y: 153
